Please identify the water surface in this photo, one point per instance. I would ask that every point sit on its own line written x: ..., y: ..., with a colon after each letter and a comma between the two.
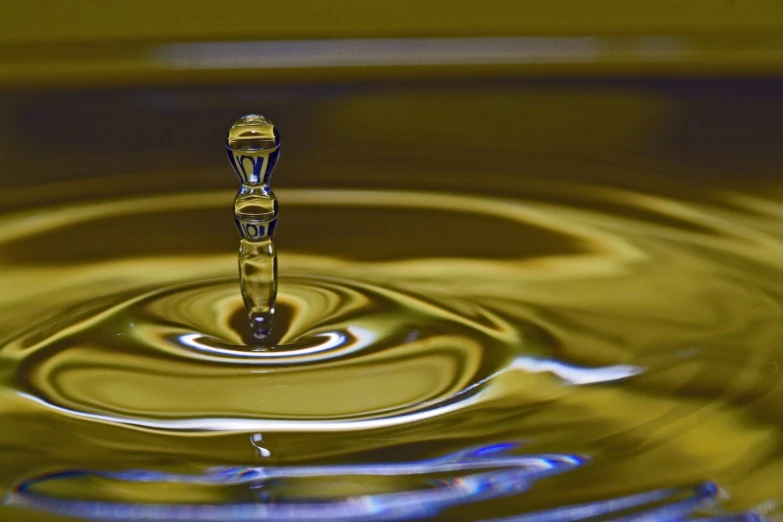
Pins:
x: 469, y: 325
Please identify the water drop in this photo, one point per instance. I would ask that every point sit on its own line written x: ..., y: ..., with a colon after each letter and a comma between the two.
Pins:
x: 253, y: 146
x: 257, y: 440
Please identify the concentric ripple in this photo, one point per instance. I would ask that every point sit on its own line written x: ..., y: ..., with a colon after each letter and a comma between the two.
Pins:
x: 467, y: 476
x: 638, y: 332
x: 348, y: 352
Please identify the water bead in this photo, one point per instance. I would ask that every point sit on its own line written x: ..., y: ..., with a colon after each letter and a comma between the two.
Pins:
x: 253, y: 146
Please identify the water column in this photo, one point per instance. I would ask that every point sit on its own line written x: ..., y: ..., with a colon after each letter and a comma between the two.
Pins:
x: 253, y: 146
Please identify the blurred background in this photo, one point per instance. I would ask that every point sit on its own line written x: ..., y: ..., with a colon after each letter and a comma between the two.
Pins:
x: 689, y: 90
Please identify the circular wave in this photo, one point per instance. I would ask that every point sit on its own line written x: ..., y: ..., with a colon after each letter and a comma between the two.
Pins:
x: 624, y: 326
x: 345, y: 352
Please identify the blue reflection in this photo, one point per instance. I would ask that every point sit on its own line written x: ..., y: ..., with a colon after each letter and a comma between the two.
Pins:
x: 462, y: 477
x: 680, y: 504
x: 468, y: 475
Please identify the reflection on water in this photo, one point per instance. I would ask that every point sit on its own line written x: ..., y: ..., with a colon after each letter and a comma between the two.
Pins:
x: 501, y: 345
x: 375, y: 350
x: 501, y: 475
x: 509, y: 475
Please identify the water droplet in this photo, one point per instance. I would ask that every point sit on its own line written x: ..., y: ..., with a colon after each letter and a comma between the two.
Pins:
x: 253, y: 146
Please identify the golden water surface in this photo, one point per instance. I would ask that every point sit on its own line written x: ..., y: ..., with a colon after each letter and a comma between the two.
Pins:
x: 584, y: 272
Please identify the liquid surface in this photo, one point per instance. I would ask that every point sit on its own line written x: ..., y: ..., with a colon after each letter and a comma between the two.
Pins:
x: 510, y: 346
x: 610, y: 344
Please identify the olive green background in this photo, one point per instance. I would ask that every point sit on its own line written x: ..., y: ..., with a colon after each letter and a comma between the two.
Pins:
x: 94, y: 42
